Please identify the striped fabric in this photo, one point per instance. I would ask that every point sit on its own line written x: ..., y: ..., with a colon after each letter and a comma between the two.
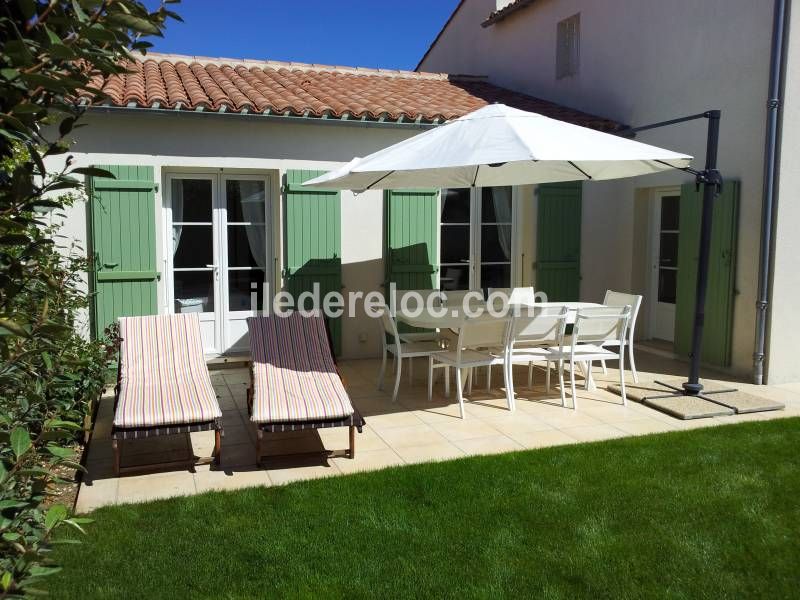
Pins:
x: 163, y: 375
x: 294, y: 374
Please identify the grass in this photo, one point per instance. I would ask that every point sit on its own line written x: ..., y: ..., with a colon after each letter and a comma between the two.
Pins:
x: 711, y: 512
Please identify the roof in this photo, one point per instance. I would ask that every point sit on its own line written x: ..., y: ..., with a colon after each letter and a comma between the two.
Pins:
x: 184, y: 83
x: 508, y: 10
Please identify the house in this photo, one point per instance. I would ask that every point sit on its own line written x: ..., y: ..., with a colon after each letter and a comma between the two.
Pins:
x: 206, y: 205
x: 645, y: 61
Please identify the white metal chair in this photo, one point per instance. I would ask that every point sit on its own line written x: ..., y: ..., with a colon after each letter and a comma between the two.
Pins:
x: 455, y: 298
x: 621, y: 299
x: 532, y: 338
x: 479, y: 332
x: 517, y: 295
x: 594, y: 327
x: 400, y: 350
x: 423, y: 298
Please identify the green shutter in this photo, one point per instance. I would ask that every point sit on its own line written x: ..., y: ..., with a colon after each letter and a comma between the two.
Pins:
x: 718, y: 329
x: 412, y: 221
x: 411, y: 226
x: 123, y: 244
x: 558, y: 241
x: 312, y: 241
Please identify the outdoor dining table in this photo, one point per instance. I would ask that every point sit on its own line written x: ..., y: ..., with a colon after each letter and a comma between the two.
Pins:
x: 451, y: 317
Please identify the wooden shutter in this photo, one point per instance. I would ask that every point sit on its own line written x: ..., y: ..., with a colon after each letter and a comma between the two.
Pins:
x: 558, y: 241
x: 718, y: 330
x: 312, y: 241
x: 412, y: 221
x: 123, y: 244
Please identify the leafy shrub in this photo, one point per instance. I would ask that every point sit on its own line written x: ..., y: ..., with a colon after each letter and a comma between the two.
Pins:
x: 49, y: 373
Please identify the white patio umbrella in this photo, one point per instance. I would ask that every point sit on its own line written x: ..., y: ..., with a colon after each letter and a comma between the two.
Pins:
x: 498, y: 145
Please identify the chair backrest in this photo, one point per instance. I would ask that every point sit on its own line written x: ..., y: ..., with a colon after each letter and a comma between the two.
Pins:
x: 600, y: 324
x: 613, y: 298
x: 456, y: 297
x: 545, y: 325
x: 149, y: 344
x: 298, y: 341
x: 391, y: 335
x: 517, y: 295
x: 484, y: 331
x: 417, y: 299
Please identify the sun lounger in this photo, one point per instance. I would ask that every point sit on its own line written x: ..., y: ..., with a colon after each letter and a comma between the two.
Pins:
x: 295, y: 384
x: 163, y: 386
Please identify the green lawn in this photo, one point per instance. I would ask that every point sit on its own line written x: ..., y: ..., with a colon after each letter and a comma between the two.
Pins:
x: 712, y: 512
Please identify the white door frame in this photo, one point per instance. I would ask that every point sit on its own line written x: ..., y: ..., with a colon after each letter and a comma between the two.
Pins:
x: 216, y: 345
x: 219, y: 223
x: 653, y: 260
x: 227, y: 315
x: 475, y: 237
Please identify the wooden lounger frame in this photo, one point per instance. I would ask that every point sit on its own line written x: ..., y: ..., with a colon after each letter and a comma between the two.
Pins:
x: 354, y: 422
x: 118, y: 434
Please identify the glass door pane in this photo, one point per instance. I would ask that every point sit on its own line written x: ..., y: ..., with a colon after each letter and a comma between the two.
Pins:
x: 495, y: 237
x: 246, y: 251
x: 192, y: 245
x: 455, y: 239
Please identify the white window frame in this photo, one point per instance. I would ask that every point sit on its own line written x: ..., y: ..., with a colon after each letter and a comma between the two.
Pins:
x: 475, y: 224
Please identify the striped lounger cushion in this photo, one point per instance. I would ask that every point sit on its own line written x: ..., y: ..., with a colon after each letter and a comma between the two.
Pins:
x: 163, y: 375
x: 294, y: 374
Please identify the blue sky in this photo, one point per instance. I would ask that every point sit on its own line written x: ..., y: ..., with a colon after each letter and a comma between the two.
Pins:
x: 360, y: 33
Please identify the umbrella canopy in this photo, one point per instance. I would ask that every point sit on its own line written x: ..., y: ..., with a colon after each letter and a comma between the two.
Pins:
x: 499, y: 145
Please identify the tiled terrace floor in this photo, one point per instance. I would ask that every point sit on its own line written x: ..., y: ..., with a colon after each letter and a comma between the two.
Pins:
x: 409, y: 431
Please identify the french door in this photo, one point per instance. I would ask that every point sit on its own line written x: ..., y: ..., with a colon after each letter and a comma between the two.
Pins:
x: 218, y: 253
x: 476, y: 239
x: 664, y: 280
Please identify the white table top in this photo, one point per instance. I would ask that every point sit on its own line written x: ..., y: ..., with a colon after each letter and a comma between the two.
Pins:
x: 452, y: 317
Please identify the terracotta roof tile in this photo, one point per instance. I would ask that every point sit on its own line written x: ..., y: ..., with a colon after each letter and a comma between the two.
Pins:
x: 186, y: 83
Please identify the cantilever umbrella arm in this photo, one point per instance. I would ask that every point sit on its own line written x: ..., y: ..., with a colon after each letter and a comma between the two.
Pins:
x: 711, y: 180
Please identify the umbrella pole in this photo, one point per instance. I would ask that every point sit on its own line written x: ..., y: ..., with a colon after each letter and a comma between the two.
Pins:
x: 712, y: 184
x: 711, y: 180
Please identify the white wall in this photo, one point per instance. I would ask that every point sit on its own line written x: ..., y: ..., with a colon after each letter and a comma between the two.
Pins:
x: 641, y: 61
x: 782, y: 361
x: 232, y: 143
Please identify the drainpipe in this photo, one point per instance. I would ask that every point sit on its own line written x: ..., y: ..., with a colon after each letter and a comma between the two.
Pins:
x: 770, y: 151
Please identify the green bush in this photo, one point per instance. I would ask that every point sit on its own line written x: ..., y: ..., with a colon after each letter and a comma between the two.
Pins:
x: 49, y: 373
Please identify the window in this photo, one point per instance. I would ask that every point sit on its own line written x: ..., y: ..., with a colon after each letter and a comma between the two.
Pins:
x: 568, y: 46
x: 475, y: 245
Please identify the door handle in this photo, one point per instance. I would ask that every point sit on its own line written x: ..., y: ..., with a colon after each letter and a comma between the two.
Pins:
x: 110, y: 265
x: 216, y: 271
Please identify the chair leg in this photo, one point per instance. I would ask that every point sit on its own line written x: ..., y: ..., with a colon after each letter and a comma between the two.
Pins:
x: 572, y: 385
x: 397, y: 378
x: 459, y: 393
x: 352, y: 452
x: 447, y: 382
x: 411, y: 370
x: 605, y: 369
x: 488, y: 378
x: 217, y: 447
x: 622, y: 377
x: 117, y: 455
x: 633, y: 364
x: 560, y: 381
x: 547, y: 377
x: 469, y: 381
x: 430, y: 378
x: 508, y: 377
x: 382, y: 371
x: 530, y: 374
